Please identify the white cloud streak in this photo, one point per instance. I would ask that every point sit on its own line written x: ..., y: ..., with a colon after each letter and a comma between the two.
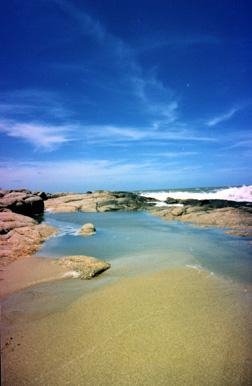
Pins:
x: 39, y: 135
x: 173, y: 154
x: 223, y: 117
x: 87, y: 24
x: 111, y: 134
x: 50, y: 137
x: 79, y: 175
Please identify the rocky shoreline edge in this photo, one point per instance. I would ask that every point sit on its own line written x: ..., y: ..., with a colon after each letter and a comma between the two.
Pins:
x: 22, y: 230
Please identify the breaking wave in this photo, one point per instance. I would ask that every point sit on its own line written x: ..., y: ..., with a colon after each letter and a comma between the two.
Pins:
x: 239, y: 194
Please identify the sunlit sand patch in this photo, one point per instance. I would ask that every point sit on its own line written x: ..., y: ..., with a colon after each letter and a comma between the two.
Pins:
x: 28, y: 271
x: 176, y: 327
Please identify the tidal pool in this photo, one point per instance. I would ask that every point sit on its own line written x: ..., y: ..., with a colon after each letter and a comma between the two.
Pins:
x: 139, y: 242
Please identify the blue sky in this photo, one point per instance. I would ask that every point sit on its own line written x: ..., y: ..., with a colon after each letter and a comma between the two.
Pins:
x: 125, y: 94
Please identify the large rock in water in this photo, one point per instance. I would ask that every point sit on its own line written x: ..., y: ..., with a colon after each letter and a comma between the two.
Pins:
x: 86, y: 266
x: 87, y: 230
x: 22, y: 202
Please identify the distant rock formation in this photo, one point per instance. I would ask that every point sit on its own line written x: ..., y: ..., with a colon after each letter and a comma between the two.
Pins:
x: 99, y: 201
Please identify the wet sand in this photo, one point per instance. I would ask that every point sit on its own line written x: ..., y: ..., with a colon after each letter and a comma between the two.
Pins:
x: 28, y: 271
x: 176, y: 327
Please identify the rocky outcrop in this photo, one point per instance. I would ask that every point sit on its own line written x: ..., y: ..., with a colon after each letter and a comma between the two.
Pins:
x: 100, y: 201
x: 241, y: 231
x: 86, y: 266
x: 238, y: 219
x: 87, y: 230
x: 22, y: 202
x: 20, y: 236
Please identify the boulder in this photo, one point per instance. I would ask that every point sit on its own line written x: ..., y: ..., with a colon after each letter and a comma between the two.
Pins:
x: 86, y: 266
x: 87, y: 229
x: 34, y: 205
x: 43, y: 195
x: 177, y: 211
x: 171, y: 200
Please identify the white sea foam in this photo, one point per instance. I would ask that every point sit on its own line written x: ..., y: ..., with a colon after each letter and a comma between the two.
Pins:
x: 197, y: 267
x: 242, y: 193
x: 65, y: 229
x: 161, y: 203
x: 71, y: 275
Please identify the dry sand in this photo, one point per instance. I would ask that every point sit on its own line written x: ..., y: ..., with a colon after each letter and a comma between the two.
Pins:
x: 176, y: 327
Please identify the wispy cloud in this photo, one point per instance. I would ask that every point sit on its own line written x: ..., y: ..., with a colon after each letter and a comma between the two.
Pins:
x: 101, y: 134
x: 160, y: 42
x: 32, y: 102
x: 245, y: 143
x: 87, y: 24
x: 173, y: 154
x: 39, y: 135
x: 84, y: 175
x: 222, y: 117
x: 156, y: 99
x: 92, y: 27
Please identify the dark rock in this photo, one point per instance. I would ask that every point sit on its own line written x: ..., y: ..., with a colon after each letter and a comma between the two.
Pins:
x: 21, y: 201
x: 35, y: 205
x: 170, y: 200
x: 42, y: 195
x: 209, y: 204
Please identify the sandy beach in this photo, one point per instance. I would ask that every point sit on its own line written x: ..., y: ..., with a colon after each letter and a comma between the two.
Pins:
x: 179, y: 326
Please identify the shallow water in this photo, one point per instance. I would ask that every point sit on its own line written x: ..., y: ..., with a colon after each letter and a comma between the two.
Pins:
x: 139, y: 242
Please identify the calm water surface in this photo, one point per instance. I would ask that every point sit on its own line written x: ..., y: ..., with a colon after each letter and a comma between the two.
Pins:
x: 138, y: 241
